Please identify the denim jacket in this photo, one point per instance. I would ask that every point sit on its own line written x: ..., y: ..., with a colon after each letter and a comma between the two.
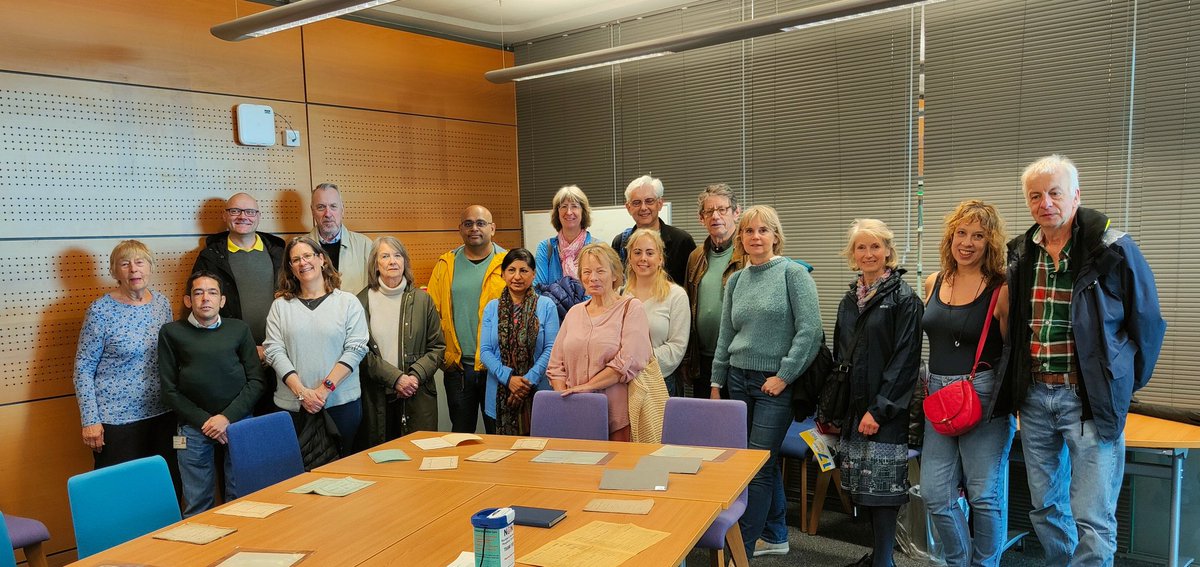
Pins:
x: 1115, y: 318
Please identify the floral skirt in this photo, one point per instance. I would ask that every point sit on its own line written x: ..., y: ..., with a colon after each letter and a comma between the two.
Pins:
x: 874, y: 474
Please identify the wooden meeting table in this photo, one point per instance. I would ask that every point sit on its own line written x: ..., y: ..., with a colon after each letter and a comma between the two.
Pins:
x: 718, y: 481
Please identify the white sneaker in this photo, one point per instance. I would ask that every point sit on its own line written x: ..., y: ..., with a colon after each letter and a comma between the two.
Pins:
x: 765, y: 548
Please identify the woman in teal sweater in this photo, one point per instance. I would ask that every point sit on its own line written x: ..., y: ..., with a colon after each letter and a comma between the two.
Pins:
x: 763, y: 346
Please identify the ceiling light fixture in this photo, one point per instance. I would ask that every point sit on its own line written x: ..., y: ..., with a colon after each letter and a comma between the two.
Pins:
x: 289, y: 16
x: 797, y: 19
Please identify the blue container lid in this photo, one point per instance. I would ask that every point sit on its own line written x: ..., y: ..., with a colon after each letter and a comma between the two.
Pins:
x: 483, y: 519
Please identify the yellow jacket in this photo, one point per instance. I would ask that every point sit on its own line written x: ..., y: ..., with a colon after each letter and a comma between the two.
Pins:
x: 439, y: 290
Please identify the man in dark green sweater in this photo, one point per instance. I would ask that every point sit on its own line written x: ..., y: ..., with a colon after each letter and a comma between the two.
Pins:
x: 211, y: 376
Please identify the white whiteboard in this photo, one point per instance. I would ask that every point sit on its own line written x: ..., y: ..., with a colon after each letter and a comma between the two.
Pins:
x: 607, y: 223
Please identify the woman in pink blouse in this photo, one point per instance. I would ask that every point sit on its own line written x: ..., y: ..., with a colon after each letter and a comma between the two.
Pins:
x: 604, y: 342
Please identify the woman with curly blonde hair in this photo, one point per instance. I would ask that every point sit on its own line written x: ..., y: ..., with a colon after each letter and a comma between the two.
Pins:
x: 956, y: 307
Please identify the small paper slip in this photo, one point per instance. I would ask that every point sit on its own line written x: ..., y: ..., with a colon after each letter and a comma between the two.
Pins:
x: 389, y: 456
x: 251, y: 558
x: 633, y: 479
x: 820, y: 445
x: 614, y: 506
x: 448, y: 440
x: 598, y: 544
x: 703, y: 453
x: 490, y: 455
x: 199, y: 534
x: 333, y: 486
x: 249, y: 509
x: 465, y: 559
x: 439, y: 463
x: 529, y: 444
x: 570, y: 457
x: 683, y: 465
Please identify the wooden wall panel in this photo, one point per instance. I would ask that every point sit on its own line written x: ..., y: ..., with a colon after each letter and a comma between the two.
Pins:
x: 44, y: 449
x: 79, y: 158
x: 350, y: 64
x: 404, y: 172
x: 149, y: 42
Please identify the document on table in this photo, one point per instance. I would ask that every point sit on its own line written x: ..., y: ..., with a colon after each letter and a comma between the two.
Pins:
x: 683, y: 465
x: 250, y: 509
x: 570, y: 457
x: 253, y: 558
x: 598, y: 544
x: 490, y: 455
x: 464, y: 559
x: 616, y: 506
x: 333, y: 486
x: 529, y: 444
x: 633, y: 479
x: 447, y: 440
x: 388, y: 456
x: 439, y: 463
x: 703, y: 453
x: 199, y: 534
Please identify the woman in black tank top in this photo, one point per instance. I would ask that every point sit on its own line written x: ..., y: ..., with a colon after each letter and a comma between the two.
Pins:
x: 972, y: 258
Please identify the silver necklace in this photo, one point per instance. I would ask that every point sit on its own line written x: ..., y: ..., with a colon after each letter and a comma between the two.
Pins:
x: 963, y: 325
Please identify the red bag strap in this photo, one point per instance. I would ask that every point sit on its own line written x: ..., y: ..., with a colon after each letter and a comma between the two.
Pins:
x: 987, y: 323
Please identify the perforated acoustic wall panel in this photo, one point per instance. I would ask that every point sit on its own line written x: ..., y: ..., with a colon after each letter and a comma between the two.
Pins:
x: 85, y: 159
x: 407, y: 172
x: 46, y: 287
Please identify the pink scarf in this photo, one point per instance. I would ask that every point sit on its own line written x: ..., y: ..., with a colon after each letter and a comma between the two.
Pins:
x: 569, y: 252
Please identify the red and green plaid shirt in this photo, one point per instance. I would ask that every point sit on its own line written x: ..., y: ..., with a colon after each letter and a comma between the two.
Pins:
x: 1052, y: 345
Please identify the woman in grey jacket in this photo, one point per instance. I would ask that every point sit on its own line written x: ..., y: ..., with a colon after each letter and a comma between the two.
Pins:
x: 398, y: 391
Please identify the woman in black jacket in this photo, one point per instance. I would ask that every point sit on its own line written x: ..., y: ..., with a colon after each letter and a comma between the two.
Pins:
x: 886, y: 315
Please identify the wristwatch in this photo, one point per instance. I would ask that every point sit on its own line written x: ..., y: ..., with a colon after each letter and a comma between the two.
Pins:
x: 329, y: 385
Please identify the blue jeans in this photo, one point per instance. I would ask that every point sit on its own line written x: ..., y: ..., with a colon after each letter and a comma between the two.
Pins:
x: 767, y: 420
x: 197, y: 467
x: 1074, y: 478
x: 978, y: 460
x: 464, y: 397
x: 775, y: 530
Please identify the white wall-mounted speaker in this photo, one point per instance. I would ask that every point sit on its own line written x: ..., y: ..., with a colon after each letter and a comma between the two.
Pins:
x: 255, y: 125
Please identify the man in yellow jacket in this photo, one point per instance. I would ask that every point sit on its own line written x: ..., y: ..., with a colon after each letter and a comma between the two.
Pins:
x: 464, y: 280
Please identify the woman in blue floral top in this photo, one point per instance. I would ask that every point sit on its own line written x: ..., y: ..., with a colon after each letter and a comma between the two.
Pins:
x: 116, y: 365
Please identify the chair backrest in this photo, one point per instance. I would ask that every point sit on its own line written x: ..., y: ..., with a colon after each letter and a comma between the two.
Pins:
x: 113, y: 505
x: 263, y: 451
x: 707, y: 423
x: 7, y: 559
x: 578, y: 416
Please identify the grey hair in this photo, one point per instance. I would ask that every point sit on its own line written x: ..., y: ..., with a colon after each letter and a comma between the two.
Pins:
x: 1051, y: 165
x: 717, y: 190
x: 654, y: 182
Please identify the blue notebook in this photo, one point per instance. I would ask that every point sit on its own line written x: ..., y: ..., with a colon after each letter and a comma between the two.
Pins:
x: 537, y: 517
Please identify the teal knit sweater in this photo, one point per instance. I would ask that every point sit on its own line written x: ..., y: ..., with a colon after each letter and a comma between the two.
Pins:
x: 770, y: 321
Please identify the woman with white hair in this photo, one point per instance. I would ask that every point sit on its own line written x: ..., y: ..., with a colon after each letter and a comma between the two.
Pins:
x: 878, y: 333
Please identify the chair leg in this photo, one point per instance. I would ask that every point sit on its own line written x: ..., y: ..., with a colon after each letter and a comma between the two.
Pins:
x: 804, y: 495
x: 737, y: 547
x: 716, y: 558
x: 845, y: 498
x: 818, y: 502
x: 35, y: 555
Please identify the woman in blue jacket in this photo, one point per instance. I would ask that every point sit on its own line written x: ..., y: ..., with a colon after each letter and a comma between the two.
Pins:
x: 516, y: 337
x: 558, y: 255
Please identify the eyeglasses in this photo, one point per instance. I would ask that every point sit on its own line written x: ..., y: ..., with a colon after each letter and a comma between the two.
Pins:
x: 305, y: 257
x: 717, y: 210
x: 235, y: 212
x: 480, y: 224
x: 649, y: 202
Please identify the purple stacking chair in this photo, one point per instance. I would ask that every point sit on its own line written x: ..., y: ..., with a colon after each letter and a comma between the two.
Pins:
x: 578, y: 416
x: 712, y: 423
x: 28, y: 534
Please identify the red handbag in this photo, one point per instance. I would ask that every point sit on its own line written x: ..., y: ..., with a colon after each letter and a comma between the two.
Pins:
x: 955, y: 409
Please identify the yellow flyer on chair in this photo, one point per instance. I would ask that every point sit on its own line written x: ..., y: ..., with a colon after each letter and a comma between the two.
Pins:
x: 819, y: 444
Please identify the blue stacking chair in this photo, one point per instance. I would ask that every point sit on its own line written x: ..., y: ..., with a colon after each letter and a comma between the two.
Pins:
x: 263, y: 451
x: 578, y: 416
x: 113, y: 505
x: 712, y: 423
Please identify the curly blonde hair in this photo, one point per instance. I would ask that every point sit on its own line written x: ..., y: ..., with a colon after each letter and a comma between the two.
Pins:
x: 992, y: 223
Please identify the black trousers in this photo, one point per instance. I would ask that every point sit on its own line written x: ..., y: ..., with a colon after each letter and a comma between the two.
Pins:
x: 150, y: 436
